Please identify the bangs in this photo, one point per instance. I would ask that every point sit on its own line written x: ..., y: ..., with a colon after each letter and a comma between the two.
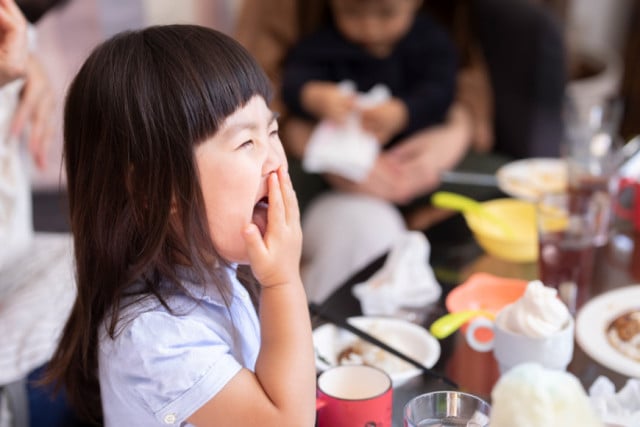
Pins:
x: 222, y: 77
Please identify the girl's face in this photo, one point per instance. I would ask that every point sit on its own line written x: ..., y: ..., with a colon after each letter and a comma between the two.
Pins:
x: 233, y: 166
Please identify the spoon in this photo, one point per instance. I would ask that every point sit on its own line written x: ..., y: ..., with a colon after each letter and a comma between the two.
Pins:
x: 451, y: 322
x: 464, y: 204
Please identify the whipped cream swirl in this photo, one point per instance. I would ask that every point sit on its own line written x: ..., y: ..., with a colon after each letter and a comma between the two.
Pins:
x: 538, y: 313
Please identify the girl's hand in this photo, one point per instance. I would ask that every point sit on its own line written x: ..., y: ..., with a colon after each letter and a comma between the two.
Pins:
x: 13, y: 42
x: 275, y: 258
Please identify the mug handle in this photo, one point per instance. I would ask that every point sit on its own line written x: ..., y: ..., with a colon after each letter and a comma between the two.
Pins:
x: 474, y: 343
x: 320, y: 403
x: 619, y: 209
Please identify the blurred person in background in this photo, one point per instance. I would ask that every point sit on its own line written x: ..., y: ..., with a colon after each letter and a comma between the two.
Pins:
x: 26, y: 130
x: 507, y: 105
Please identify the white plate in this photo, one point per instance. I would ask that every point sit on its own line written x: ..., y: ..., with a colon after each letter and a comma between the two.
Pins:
x: 413, y: 340
x: 529, y: 178
x: 592, y: 322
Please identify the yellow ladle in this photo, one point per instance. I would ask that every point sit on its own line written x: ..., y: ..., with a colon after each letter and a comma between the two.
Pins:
x: 449, y: 323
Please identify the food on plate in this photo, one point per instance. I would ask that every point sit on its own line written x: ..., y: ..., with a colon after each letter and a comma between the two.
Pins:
x: 529, y: 395
x: 623, y: 334
x: 364, y: 353
x: 337, y: 346
x: 530, y: 178
x: 538, y: 313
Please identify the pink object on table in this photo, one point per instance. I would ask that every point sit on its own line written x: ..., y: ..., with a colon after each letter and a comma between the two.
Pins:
x: 354, y: 395
x: 483, y: 291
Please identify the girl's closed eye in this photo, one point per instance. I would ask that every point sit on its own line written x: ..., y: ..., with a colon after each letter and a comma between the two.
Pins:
x: 246, y: 144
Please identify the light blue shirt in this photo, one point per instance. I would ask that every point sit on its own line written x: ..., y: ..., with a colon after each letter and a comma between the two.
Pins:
x: 162, y: 367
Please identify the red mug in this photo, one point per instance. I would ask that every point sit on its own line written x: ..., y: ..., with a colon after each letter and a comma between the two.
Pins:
x: 627, y: 205
x: 354, y: 396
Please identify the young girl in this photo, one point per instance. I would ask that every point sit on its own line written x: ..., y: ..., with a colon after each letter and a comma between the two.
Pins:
x: 177, y: 181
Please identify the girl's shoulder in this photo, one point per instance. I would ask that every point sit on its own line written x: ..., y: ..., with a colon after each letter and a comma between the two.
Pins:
x: 191, y: 300
x: 163, y: 355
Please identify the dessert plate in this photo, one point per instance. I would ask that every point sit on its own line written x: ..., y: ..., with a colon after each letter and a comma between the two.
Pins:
x: 529, y: 178
x: 593, y: 321
x: 334, y: 346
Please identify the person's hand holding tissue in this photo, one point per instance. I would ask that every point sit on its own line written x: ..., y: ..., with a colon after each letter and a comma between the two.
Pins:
x: 405, y: 286
x: 344, y: 148
x: 385, y: 120
x: 329, y: 101
x: 412, y: 167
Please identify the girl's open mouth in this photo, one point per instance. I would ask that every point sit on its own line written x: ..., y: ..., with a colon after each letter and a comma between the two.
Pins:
x: 259, y: 216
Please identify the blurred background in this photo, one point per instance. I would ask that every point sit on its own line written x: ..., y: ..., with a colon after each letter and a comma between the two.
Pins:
x: 602, y: 37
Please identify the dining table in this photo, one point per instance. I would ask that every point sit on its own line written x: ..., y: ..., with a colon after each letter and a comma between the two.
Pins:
x: 617, y: 264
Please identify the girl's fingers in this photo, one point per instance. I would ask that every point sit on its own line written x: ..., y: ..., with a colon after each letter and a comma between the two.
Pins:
x: 255, y: 245
x: 275, y: 213
x: 291, y: 210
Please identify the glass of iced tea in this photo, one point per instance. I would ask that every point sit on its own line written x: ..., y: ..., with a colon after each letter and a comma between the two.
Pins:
x: 592, y: 151
x: 588, y: 189
x: 567, y: 237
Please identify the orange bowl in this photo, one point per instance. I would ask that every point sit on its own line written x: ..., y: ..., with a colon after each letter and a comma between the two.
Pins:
x: 483, y: 291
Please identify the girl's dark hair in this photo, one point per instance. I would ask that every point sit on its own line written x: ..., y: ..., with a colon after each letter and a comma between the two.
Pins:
x: 133, y: 115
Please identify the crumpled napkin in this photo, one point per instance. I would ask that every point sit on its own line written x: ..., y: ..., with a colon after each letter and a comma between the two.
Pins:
x: 345, y: 149
x: 405, y: 279
x: 621, y: 408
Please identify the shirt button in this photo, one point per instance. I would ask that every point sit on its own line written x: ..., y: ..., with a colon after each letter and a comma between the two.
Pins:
x: 170, y: 419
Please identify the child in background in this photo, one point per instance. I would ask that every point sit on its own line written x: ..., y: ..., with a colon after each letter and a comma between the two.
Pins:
x: 372, y: 42
x: 177, y: 183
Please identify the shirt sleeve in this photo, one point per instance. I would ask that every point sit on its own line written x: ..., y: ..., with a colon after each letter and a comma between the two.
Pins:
x: 312, y: 59
x: 173, y: 364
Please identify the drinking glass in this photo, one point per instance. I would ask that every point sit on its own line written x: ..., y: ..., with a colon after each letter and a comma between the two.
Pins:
x: 567, y: 237
x: 593, y: 153
x: 446, y: 409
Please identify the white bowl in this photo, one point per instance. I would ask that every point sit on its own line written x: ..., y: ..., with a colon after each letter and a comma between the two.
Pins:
x: 411, y: 339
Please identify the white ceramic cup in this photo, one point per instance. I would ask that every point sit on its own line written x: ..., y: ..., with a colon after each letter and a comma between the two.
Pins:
x: 511, y: 349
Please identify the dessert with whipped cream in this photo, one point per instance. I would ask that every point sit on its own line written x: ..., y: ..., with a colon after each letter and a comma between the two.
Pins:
x: 538, y: 313
x: 535, y: 328
x: 532, y: 396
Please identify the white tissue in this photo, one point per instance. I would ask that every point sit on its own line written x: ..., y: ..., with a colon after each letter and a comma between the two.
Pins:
x: 621, y: 408
x: 345, y: 149
x: 405, y: 280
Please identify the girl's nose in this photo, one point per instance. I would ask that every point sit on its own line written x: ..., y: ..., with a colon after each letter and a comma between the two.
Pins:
x: 275, y: 158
